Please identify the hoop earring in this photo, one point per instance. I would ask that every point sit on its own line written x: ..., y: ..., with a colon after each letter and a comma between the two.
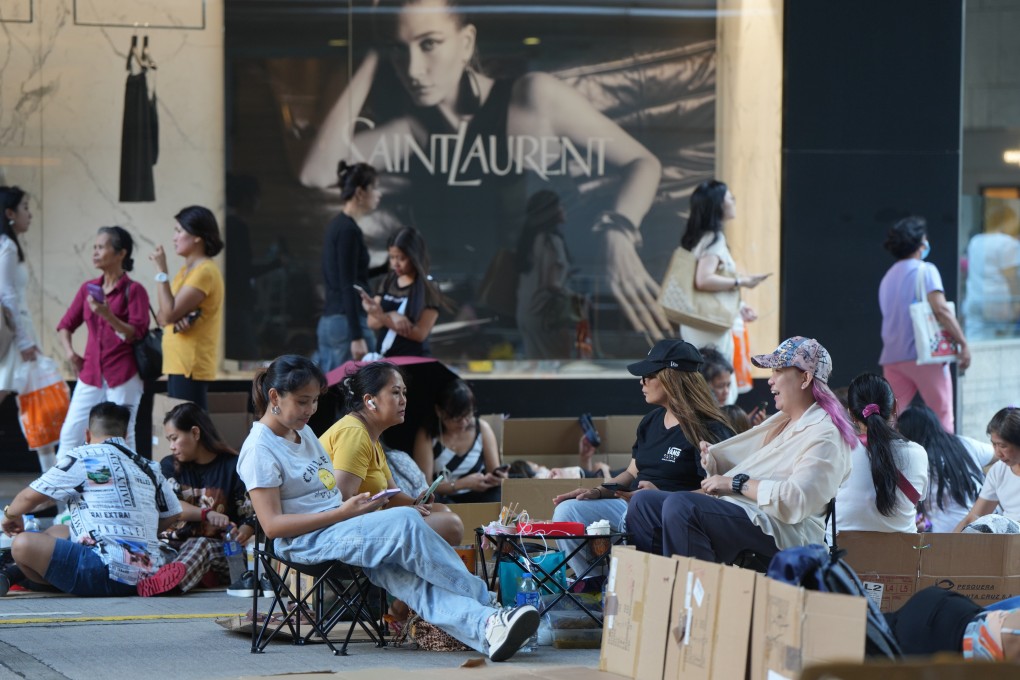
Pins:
x: 275, y: 410
x: 470, y: 93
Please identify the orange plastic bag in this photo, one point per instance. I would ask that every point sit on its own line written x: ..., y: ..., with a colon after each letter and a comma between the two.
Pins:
x: 742, y: 359
x: 43, y: 399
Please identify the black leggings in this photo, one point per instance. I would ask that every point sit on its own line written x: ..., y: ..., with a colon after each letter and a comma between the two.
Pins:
x: 933, y: 620
x: 182, y: 387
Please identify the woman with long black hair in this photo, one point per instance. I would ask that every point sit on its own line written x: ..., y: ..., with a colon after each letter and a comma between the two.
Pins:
x: 954, y: 467
x: 407, y: 306
x: 889, y: 473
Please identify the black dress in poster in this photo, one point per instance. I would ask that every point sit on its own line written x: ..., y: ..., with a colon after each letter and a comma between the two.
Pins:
x: 467, y: 116
x: 139, y: 142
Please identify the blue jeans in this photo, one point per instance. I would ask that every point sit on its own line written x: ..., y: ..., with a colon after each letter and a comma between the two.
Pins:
x: 403, y: 555
x: 586, y: 512
x: 335, y: 340
x: 77, y: 569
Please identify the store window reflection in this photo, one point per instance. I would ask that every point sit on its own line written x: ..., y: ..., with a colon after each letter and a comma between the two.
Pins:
x: 991, y: 264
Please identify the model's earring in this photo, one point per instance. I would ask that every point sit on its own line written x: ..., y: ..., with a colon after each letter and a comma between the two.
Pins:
x: 470, y: 94
x: 276, y: 410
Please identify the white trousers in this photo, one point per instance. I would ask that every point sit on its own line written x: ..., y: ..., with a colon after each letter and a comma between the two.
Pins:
x: 84, y: 397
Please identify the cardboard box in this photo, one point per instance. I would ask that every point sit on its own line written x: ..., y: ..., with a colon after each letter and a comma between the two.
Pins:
x: 228, y: 410
x: 474, y: 515
x: 793, y: 628
x: 710, y: 621
x: 637, y: 612
x: 887, y: 564
x: 535, y: 495
x: 984, y: 567
x: 553, y: 441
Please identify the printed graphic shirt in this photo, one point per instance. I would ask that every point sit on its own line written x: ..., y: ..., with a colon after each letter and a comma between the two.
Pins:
x: 215, y: 486
x: 664, y: 456
x: 115, y: 509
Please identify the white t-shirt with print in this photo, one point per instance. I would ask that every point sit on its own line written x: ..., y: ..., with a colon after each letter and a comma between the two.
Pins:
x: 113, y: 506
x: 1002, y: 485
x: 855, y: 502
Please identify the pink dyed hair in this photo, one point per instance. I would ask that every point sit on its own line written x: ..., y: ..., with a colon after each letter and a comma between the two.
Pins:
x: 830, y: 404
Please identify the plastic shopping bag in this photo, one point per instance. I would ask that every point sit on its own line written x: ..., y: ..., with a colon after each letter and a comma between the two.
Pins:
x: 43, y: 399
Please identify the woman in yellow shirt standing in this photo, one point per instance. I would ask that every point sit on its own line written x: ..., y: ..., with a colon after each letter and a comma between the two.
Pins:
x: 191, y: 306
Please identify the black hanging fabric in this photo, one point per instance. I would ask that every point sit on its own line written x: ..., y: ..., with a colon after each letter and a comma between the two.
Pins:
x: 139, y: 144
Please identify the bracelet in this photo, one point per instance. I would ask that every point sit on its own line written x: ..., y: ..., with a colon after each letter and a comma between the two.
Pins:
x: 736, y: 282
x: 8, y: 516
x: 205, y: 511
x: 611, y: 220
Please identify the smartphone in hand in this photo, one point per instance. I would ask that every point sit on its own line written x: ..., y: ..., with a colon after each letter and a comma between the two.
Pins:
x: 431, y: 490
x: 590, y: 433
x: 96, y: 291
x: 361, y: 290
x: 385, y: 493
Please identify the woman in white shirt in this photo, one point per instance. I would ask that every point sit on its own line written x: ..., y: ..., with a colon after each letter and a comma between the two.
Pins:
x: 955, y: 467
x: 1002, y: 484
x: 889, y: 474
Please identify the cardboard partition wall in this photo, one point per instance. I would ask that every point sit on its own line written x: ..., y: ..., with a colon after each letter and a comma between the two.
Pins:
x: 710, y: 621
x: 984, y: 567
x: 228, y: 410
x: 793, y: 628
x: 637, y: 612
x: 536, y: 495
x: 474, y: 515
x: 886, y: 563
x: 553, y: 441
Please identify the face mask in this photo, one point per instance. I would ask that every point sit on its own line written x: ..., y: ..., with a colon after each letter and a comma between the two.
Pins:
x: 926, y: 251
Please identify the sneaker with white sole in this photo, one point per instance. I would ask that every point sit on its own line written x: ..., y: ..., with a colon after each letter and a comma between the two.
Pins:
x: 245, y: 585
x: 507, y: 630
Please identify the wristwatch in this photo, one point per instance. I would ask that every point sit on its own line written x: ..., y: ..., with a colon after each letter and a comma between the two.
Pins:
x: 739, y: 481
x: 161, y: 277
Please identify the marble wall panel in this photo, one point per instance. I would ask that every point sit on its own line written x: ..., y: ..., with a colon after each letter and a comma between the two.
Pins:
x: 61, y: 111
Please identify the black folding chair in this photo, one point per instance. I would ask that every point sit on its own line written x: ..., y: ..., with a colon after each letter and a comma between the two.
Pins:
x: 339, y: 592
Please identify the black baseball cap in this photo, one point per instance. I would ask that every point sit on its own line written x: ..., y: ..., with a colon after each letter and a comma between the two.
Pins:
x: 677, y: 354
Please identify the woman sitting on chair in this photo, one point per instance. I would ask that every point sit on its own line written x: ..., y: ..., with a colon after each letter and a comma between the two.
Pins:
x: 297, y: 500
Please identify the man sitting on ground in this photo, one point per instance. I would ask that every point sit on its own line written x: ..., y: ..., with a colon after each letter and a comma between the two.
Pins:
x: 118, y: 503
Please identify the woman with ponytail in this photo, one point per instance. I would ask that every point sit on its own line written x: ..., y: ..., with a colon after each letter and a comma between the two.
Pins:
x: 115, y: 310
x: 299, y: 504
x: 889, y: 474
x: 202, y: 471
x: 343, y: 329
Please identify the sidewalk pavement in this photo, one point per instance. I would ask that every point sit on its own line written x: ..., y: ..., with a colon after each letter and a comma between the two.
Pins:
x: 56, y: 637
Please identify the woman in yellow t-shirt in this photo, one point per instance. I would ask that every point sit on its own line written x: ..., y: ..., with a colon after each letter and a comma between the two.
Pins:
x: 376, y: 400
x: 191, y: 307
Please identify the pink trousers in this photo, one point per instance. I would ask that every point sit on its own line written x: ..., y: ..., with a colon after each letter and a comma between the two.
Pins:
x: 931, y: 380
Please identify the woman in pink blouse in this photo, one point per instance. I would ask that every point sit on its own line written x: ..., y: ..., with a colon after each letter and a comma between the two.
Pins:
x: 115, y: 310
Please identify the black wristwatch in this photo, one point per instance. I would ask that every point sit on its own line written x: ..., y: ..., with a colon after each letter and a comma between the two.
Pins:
x: 739, y: 481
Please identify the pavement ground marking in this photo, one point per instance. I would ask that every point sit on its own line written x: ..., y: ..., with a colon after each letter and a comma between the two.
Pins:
x: 138, y: 617
x: 39, y: 614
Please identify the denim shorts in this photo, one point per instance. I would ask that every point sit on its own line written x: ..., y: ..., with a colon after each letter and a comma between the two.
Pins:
x: 77, y: 569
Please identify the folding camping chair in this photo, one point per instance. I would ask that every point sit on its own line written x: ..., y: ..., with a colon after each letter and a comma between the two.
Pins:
x: 338, y: 592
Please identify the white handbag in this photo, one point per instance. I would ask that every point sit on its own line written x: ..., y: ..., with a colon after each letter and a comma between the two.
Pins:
x: 933, y: 342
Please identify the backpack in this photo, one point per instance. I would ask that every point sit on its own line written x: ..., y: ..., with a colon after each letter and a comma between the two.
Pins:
x: 817, y: 567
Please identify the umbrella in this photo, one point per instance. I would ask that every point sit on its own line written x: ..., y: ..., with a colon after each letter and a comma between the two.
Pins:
x: 425, y: 378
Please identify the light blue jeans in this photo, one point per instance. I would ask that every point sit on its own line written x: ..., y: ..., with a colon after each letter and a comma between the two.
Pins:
x: 334, y: 335
x: 403, y: 555
x: 586, y: 512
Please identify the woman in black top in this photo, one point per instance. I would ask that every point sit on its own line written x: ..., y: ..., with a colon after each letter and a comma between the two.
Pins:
x: 407, y: 307
x: 665, y: 454
x: 343, y: 329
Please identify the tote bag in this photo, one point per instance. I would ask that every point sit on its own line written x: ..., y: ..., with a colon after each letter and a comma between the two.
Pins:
x: 684, y: 304
x: 934, y: 344
x: 43, y: 399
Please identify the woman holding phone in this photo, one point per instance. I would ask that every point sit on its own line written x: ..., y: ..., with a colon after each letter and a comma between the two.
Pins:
x: 376, y: 401
x: 298, y: 501
x: 343, y: 330
x: 115, y: 309
x: 665, y: 454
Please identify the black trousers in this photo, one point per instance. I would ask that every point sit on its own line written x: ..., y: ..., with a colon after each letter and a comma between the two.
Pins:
x: 933, y: 620
x: 695, y: 525
x: 182, y: 387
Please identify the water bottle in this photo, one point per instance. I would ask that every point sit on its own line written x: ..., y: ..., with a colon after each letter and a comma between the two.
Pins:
x: 234, y: 553
x: 527, y: 593
x: 31, y: 523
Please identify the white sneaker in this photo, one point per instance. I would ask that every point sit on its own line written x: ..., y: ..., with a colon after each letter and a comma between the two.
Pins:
x: 506, y: 631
